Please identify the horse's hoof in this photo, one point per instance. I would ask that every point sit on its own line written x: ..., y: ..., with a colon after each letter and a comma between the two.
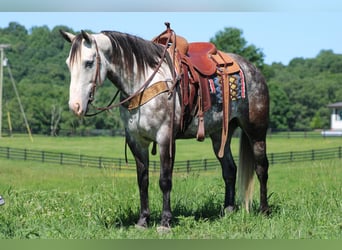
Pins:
x: 142, y: 223
x: 229, y: 209
x: 163, y: 230
x: 265, y: 210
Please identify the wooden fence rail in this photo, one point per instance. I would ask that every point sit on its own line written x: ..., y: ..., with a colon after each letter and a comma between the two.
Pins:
x: 180, y: 166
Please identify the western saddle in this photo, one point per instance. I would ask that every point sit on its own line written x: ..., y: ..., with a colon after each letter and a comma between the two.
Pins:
x: 195, y: 63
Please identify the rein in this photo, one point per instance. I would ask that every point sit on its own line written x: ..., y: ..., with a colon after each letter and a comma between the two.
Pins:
x: 97, y: 78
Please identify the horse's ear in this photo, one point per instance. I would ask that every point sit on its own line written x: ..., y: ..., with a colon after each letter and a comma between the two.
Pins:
x: 67, y: 36
x: 86, y: 36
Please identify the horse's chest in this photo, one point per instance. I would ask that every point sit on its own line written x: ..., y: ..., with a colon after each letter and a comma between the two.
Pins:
x: 146, y: 122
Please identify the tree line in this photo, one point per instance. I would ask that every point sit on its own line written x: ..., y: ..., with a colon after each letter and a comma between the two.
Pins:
x: 299, y: 91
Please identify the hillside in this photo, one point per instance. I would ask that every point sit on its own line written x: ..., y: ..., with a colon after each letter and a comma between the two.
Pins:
x: 299, y: 91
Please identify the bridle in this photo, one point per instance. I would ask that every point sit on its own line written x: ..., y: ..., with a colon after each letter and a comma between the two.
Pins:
x: 97, y: 77
x: 97, y: 80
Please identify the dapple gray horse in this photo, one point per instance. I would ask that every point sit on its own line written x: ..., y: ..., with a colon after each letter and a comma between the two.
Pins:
x: 133, y: 64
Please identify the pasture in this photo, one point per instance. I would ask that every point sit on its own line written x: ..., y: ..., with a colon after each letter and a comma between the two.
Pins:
x: 67, y: 202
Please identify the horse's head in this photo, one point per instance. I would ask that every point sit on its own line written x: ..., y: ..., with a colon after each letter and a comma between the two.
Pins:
x: 87, y: 65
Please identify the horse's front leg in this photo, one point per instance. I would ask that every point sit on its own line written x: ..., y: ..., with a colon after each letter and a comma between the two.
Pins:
x: 165, y: 182
x: 143, y: 183
x: 140, y: 153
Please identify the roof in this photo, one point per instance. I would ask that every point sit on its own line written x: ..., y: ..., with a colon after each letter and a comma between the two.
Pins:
x: 335, y: 105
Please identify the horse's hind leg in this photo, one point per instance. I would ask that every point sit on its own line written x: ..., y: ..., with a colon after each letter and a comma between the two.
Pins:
x: 228, y: 168
x: 253, y: 158
x: 259, y: 150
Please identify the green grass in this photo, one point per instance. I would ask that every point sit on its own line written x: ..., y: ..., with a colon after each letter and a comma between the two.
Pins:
x: 49, y: 201
x: 64, y: 202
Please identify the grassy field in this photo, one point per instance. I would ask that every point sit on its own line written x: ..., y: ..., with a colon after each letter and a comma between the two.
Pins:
x: 61, y: 202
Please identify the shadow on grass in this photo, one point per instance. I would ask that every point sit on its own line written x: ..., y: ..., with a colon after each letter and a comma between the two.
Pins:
x: 210, y: 209
x: 125, y: 219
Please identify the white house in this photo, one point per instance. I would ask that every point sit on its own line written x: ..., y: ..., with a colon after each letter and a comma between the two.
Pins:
x: 336, y: 120
x: 336, y: 115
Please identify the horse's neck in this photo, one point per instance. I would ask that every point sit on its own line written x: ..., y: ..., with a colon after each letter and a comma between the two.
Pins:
x: 128, y: 85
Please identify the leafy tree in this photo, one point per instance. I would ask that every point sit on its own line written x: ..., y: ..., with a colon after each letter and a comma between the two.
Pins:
x: 279, y: 107
x: 310, y: 84
x: 299, y: 91
x: 231, y: 40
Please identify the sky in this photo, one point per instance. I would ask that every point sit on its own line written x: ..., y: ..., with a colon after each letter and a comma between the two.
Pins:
x: 282, y: 34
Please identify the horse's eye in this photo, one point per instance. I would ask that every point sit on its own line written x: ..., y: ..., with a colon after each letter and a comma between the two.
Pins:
x: 89, y: 64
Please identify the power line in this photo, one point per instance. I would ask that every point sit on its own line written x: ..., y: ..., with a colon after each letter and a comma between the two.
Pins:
x: 2, y: 47
x: 5, y: 63
x: 19, y: 101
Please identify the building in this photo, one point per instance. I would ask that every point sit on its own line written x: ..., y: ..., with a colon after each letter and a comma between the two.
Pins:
x: 336, y: 116
x: 336, y: 120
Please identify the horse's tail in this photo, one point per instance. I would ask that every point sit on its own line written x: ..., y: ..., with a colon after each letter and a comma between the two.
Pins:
x: 246, y: 171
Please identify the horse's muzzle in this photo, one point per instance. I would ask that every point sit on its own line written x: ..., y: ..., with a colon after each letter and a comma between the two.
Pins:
x: 76, y: 108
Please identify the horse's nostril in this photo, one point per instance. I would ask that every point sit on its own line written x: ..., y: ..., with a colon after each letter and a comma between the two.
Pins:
x: 77, y: 108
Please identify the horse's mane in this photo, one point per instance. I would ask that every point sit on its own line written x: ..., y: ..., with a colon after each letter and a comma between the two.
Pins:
x: 127, y: 49
x: 75, y: 48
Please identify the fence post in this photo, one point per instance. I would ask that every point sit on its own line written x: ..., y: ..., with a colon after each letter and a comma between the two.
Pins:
x: 61, y: 159
x: 313, y: 155
x: 100, y: 162
x: 25, y: 154
x: 8, y: 153
x: 43, y: 156
x: 339, y: 152
x: 205, y: 164
x: 188, y: 166
x: 272, y: 158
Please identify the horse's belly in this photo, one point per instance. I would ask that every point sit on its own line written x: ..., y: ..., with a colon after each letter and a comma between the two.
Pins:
x: 212, y: 123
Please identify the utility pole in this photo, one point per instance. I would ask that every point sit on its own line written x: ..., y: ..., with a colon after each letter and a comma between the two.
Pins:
x: 2, y: 47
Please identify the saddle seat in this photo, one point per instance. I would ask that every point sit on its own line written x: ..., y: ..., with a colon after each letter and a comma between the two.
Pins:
x: 206, y: 58
x: 199, y: 54
x: 203, y: 56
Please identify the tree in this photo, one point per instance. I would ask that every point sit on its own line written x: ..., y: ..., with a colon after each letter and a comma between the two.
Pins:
x: 231, y: 40
x: 279, y: 107
x: 310, y: 85
x: 56, y: 114
x: 299, y: 92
